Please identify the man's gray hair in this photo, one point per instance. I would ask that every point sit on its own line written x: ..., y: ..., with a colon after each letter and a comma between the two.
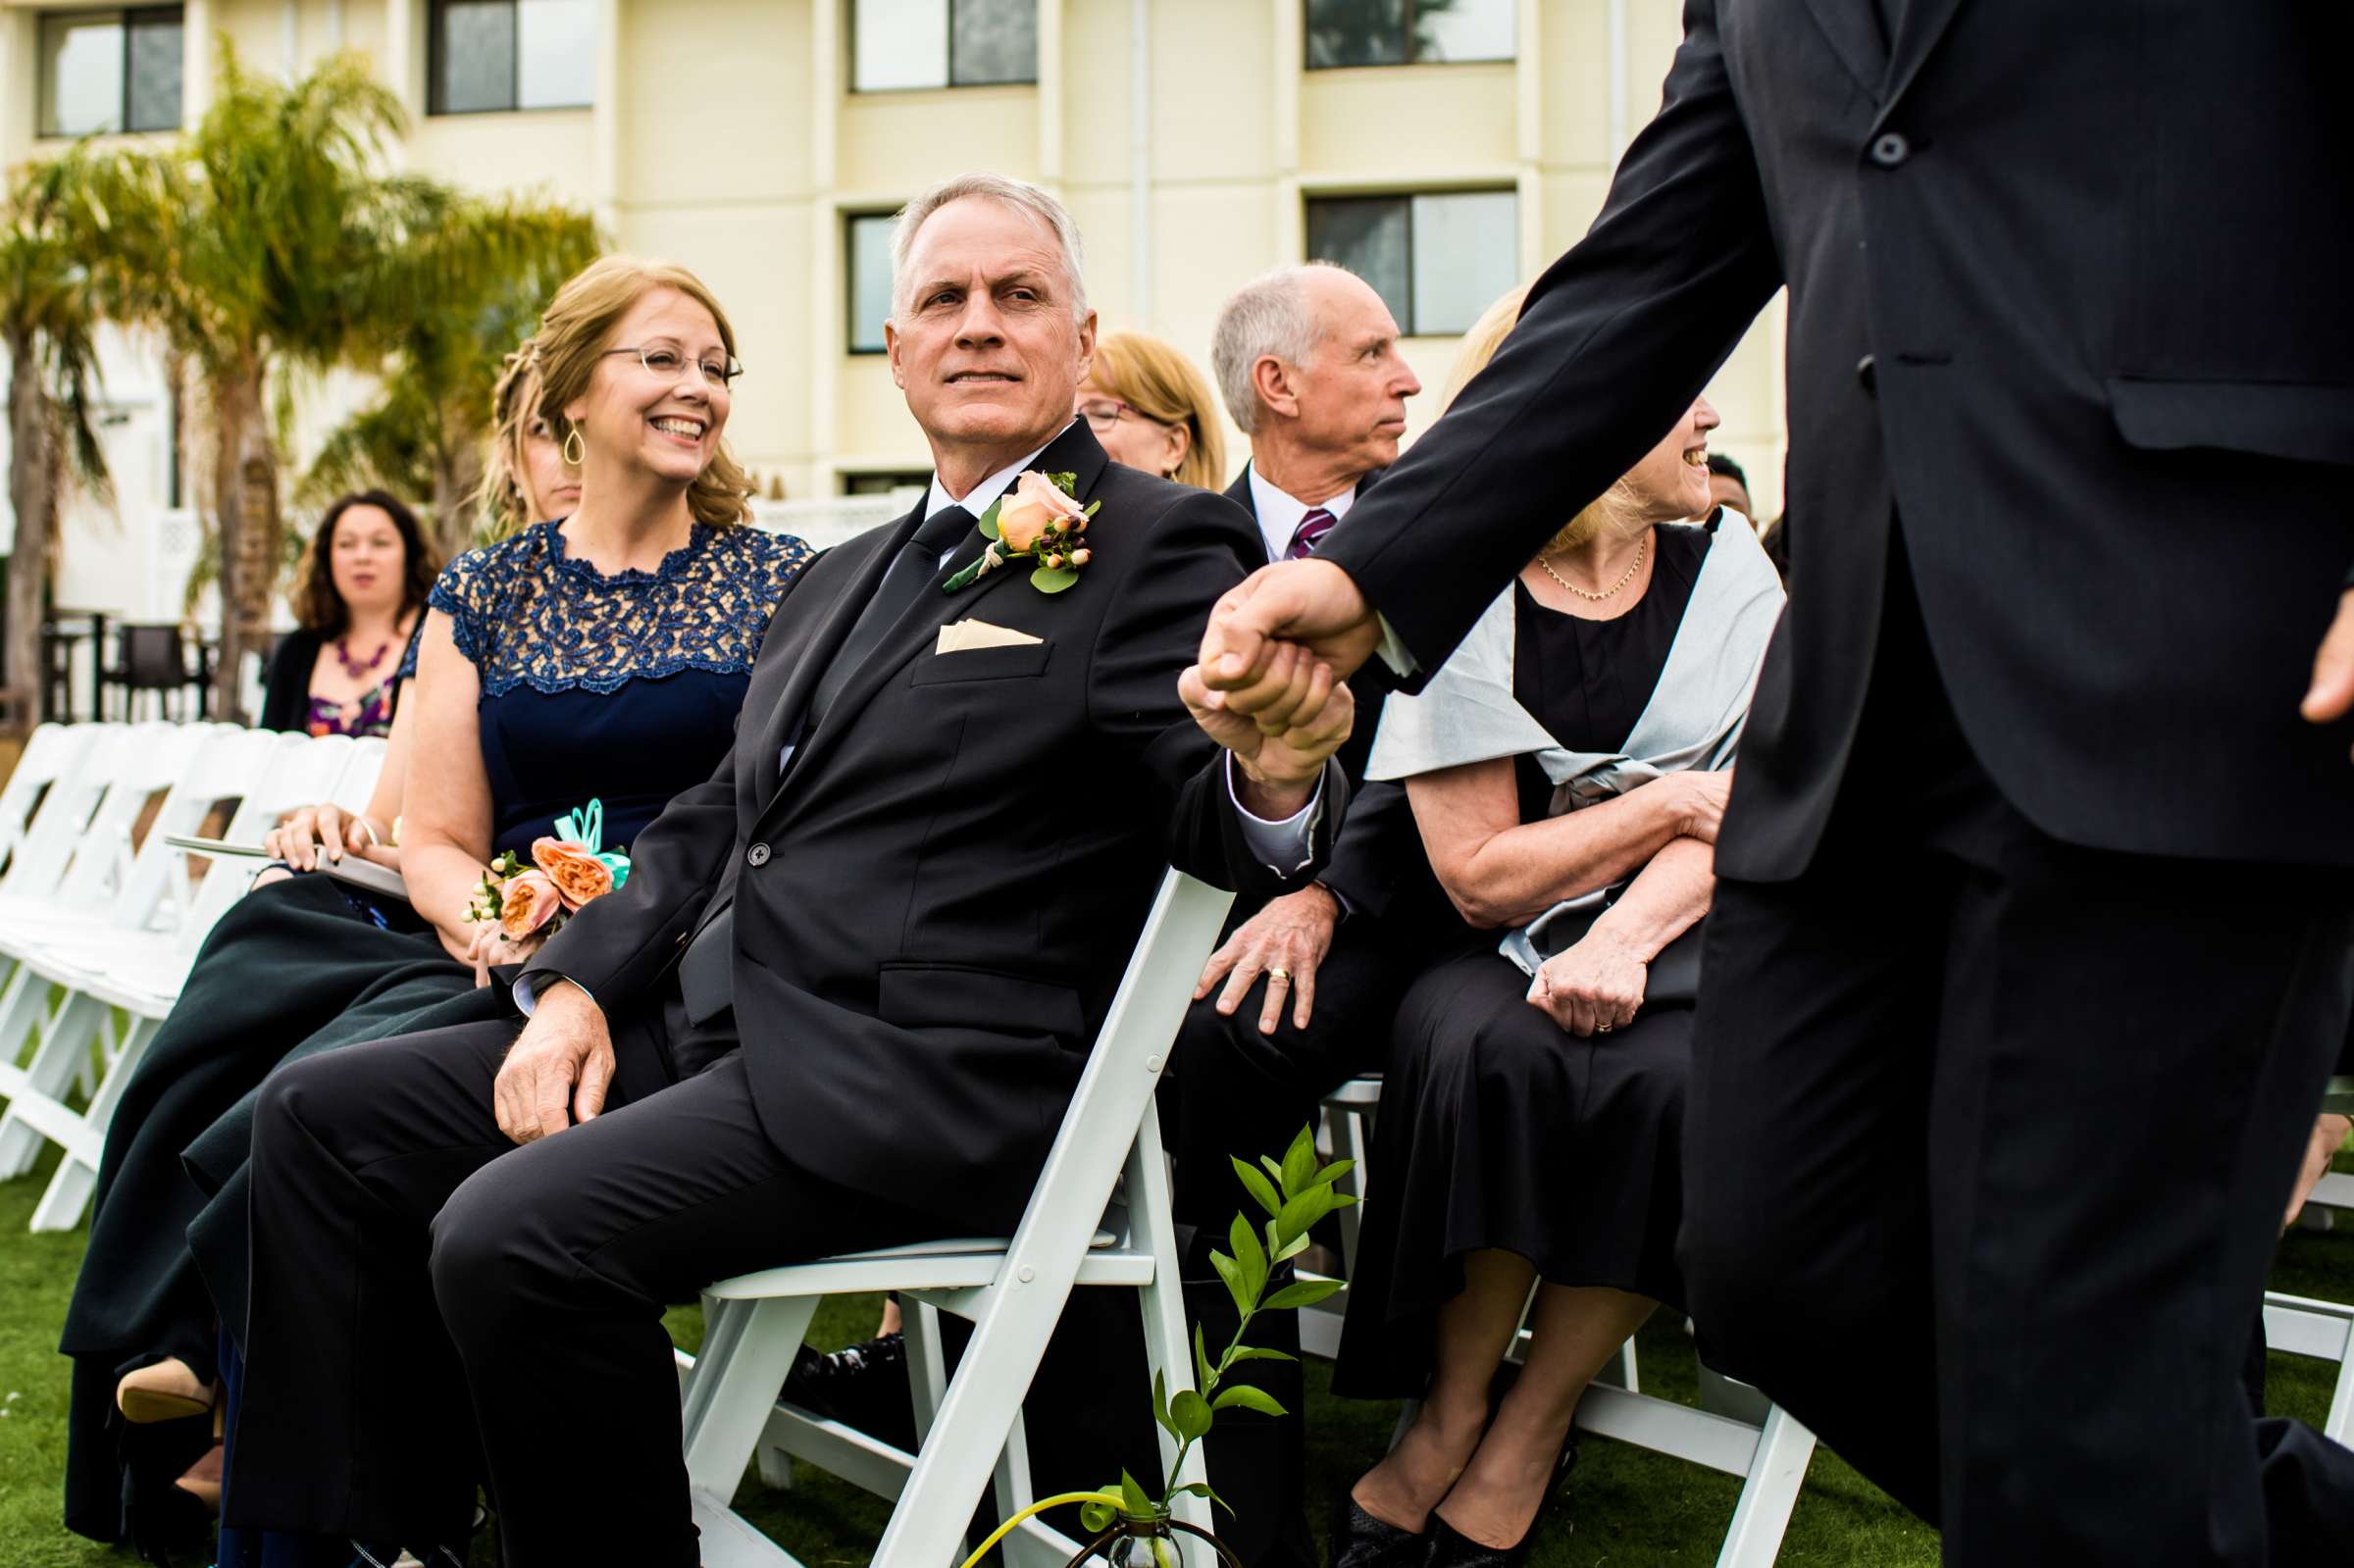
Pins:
x: 1018, y: 193
x: 1268, y: 315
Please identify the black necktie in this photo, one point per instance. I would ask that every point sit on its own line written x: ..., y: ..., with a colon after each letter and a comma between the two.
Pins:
x: 913, y: 569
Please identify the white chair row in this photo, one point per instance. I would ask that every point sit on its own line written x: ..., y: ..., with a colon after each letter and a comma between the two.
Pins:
x: 2303, y: 1325
x: 98, y: 913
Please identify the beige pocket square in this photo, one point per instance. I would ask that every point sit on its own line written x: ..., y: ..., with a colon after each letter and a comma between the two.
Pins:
x: 962, y: 636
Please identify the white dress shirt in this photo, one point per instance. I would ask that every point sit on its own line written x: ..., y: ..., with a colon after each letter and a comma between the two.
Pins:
x: 1279, y: 512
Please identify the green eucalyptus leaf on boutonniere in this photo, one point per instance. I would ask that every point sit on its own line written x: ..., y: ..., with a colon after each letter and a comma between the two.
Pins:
x: 1053, y: 579
x: 989, y: 519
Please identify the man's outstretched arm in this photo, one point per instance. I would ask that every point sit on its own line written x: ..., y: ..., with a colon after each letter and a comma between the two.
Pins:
x: 1616, y: 340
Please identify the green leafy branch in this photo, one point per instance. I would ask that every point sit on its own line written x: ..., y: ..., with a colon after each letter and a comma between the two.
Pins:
x: 1296, y: 1194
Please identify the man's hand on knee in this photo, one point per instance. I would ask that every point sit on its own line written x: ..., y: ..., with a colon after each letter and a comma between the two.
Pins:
x: 558, y: 1069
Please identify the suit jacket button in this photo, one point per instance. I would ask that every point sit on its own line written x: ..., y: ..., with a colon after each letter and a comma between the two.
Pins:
x: 1868, y: 373
x: 757, y: 855
x: 1890, y: 150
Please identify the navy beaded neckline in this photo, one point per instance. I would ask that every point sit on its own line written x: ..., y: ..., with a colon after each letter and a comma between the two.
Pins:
x: 525, y: 612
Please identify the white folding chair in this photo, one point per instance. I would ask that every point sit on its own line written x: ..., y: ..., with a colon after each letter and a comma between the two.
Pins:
x: 124, y: 962
x: 2304, y: 1325
x: 1014, y: 1291
x: 112, y: 890
x: 50, y: 752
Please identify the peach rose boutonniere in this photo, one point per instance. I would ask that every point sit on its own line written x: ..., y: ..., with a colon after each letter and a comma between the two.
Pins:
x: 568, y: 870
x: 1038, y: 519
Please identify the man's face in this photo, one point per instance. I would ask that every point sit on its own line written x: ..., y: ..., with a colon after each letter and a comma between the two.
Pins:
x: 1353, y: 390
x: 983, y: 338
x: 1725, y: 491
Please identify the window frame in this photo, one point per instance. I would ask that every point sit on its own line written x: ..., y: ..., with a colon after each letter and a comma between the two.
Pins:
x: 1408, y: 328
x: 851, y: 217
x: 948, y: 21
x: 45, y: 100
x: 436, y: 49
x: 1414, y: 55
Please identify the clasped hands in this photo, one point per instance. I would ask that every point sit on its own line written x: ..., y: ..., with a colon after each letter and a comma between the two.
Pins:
x: 1271, y: 686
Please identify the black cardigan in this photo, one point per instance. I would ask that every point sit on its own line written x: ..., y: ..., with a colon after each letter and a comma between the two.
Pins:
x: 286, y: 692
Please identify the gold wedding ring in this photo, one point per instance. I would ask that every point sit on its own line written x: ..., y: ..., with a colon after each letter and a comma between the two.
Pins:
x: 1602, y: 1029
x: 1283, y: 975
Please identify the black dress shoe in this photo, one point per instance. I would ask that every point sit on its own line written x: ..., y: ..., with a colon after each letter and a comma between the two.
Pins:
x: 1360, y: 1540
x: 863, y: 1385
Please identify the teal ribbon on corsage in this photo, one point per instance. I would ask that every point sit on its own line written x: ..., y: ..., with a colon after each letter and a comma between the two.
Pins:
x: 587, y: 827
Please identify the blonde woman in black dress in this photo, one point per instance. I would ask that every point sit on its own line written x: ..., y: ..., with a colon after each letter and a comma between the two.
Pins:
x: 1566, y: 768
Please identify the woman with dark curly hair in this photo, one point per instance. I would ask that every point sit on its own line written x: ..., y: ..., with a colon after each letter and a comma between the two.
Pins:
x: 362, y: 590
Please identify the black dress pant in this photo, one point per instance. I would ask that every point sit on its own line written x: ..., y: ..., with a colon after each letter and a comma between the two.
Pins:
x: 417, y: 1279
x: 1987, y: 1146
x: 1234, y: 1093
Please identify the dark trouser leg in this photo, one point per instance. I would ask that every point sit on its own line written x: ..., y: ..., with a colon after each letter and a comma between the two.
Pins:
x: 550, y: 1266
x: 1238, y: 1094
x: 1989, y: 1142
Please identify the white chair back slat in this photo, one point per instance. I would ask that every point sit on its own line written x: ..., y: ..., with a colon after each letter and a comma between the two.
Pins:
x: 296, y: 770
x: 355, y: 784
x: 50, y: 839
x: 147, y: 757
x: 50, y: 752
x: 230, y: 764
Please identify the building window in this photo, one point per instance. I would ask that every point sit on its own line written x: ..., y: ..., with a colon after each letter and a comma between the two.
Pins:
x: 492, y: 55
x: 1400, y: 32
x: 109, y: 70
x: 899, y: 44
x: 884, y: 482
x: 869, y: 245
x: 1436, y: 260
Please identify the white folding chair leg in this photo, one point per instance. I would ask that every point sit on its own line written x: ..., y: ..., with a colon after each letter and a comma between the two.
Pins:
x: 76, y: 1177
x: 1015, y: 1493
x: 2339, y: 1428
x: 1762, y: 1515
x: 746, y: 1353
x: 56, y: 1064
x: 927, y: 1362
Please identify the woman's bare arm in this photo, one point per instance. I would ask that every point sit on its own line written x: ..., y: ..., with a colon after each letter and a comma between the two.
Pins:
x: 1500, y: 871
x: 1665, y: 899
x: 446, y: 831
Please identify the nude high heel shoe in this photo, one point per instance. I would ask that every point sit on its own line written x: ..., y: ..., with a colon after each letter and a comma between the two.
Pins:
x: 167, y: 1391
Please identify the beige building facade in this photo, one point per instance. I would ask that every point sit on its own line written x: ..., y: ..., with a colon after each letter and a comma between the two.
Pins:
x: 1198, y: 141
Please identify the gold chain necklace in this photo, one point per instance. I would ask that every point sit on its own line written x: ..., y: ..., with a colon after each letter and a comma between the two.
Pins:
x: 1641, y: 550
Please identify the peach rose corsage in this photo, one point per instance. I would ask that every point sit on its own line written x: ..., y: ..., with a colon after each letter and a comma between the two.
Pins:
x: 568, y: 868
x: 1038, y: 521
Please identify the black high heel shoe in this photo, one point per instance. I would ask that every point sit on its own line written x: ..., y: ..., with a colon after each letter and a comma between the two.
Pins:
x: 1360, y: 1540
x: 1449, y: 1548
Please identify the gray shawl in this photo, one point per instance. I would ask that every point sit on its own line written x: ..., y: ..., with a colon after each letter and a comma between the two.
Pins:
x: 1466, y: 713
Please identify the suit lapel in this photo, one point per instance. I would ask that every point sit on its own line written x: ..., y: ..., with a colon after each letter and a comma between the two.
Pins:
x: 859, y: 586
x: 1920, y: 26
x: 1075, y: 452
x: 1854, y: 34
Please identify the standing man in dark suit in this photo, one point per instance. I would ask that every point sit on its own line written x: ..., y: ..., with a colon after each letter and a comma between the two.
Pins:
x: 842, y: 999
x: 1298, y: 999
x: 2034, y: 936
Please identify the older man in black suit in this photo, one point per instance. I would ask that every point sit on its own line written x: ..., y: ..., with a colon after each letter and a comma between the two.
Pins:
x: 2033, y: 935
x: 841, y: 1001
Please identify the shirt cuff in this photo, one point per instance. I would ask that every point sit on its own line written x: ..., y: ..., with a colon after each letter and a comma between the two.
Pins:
x: 1393, y: 651
x: 1284, y: 847
x: 529, y: 985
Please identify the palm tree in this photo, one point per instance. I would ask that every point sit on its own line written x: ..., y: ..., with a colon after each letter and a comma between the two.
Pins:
x: 440, y: 315
x: 244, y: 242
x: 49, y: 314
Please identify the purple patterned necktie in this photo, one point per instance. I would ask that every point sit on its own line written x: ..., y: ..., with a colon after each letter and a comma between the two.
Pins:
x: 1310, y: 533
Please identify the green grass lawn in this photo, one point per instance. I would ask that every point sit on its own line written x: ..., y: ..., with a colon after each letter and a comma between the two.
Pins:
x: 1626, y: 1508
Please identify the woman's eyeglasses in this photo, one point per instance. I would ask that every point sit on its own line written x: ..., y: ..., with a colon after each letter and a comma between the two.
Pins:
x: 666, y: 362
x: 1105, y: 412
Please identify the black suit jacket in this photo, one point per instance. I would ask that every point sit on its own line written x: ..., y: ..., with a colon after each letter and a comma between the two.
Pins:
x: 935, y: 903
x: 2067, y: 308
x: 1377, y: 850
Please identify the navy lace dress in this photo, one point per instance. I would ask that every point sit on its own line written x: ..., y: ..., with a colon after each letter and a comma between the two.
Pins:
x: 620, y: 688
